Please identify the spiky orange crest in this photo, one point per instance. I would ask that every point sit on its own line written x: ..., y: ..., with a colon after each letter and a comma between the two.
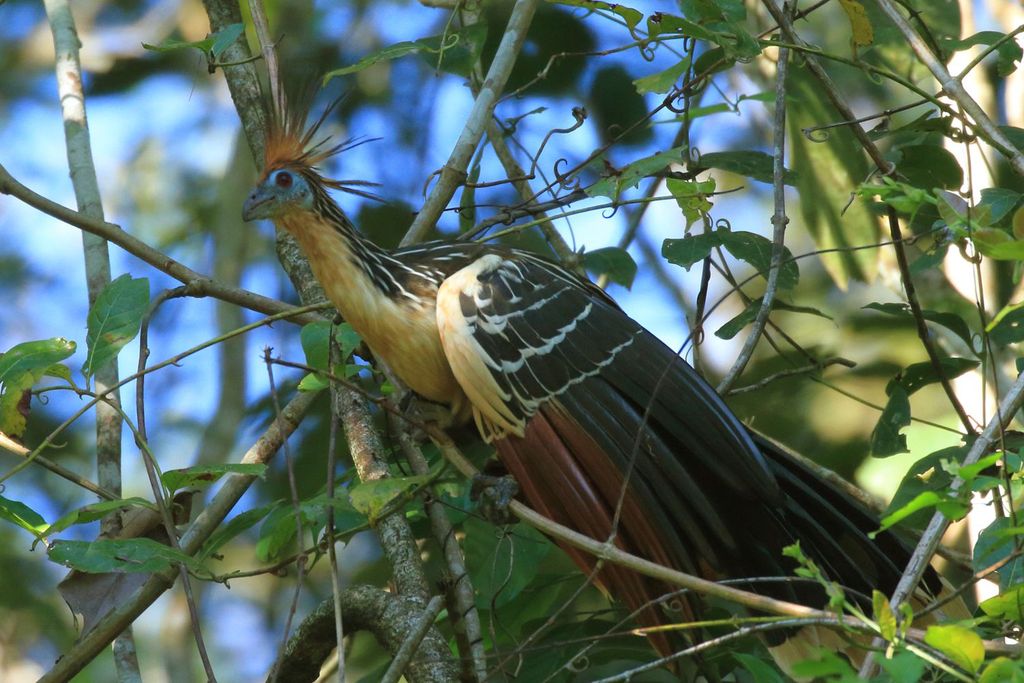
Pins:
x: 290, y: 143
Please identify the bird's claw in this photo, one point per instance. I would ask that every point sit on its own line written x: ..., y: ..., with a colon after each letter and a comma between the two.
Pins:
x: 493, y: 496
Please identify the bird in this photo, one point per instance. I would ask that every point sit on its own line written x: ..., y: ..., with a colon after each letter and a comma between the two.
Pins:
x: 600, y: 423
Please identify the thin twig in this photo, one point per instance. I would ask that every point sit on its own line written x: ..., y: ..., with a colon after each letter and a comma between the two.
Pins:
x: 333, y: 359
x: 412, y: 641
x: 954, y: 88
x: 790, y: 372
x: 779, y: 222
x: 12, y: 446
x: 234, y: 487
x: 155, y: 484
x: 199, y: 285
x: 454, y: 171
x: 173, y: 360
x: 835, y: 98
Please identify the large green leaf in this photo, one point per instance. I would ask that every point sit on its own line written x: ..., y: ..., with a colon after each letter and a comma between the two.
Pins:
x: 132, y: 555
x: 745, y: 246
x: 962, y: 645
x: 114, y: 320
x: 616, y: 181
x: 886, y: 438
x: 614, y: 262
x: 22, y: 515
x: 502, y: 562
x: 199, y: 476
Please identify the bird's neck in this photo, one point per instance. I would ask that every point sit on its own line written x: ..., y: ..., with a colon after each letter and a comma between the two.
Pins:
x: 357, y: 276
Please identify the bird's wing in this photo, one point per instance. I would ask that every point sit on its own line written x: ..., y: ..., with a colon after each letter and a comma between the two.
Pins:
x: 521, y: 332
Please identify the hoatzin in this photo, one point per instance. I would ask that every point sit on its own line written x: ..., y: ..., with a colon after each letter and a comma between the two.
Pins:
x: 581, y: 403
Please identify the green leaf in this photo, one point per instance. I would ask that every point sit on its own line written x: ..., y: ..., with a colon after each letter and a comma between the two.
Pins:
x: 962, y: 645
x: 904, y: 667
x: 90, y: 513
x: 828, y: 172
x: 233, y: 527
x: 757, y: 251
x: 756, y: 165
x: 949, y: 507
x: 1000, y: 201
x: 502, y: 562
x: 132, y: 555
x: 200, y: 476
x: 918, y: 375
x: 692, y: 197
x: 114, y: 320
x: 690, y: 249
x: 929, y: 166
x: 749, y: 314
x: 20, y: 368
x: 1007, y: 53
x: 614, y: 262
x: 22, y: 515
x: 661, y: 24
x: 223, y: 38
x: 950, y: 321
x: 455, y: 52
x: 279, y: 526
x: 828, y: 664
x: 615, y: 182
x: 998, y: 245
x: 1007, y: 605
x: 886, y: 438
x: 883, y: 615
x: 760, y: 670
x: 663, y: 81
x: 1003, y: 670
x: 315, y: 340
x: 213, y: 44
x: 629, y: 15
x: 995, y: 543
x: 372, y: 497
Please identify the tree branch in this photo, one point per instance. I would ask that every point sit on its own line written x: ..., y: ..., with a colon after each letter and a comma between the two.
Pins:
x: 234, y: 487
x: 390, y: 618
x: 779, y: 222
x: 954, y: 88
x: 453, y: 173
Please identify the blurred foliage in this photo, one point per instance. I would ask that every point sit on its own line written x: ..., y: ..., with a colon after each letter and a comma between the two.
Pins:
x: 165, y: 138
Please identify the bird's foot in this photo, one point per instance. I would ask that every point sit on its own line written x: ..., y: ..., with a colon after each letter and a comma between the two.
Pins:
x: 424, y: 411
x: 493, y: 496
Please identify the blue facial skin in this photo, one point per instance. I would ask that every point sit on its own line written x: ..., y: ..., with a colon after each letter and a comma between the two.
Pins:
x: 283, y: 189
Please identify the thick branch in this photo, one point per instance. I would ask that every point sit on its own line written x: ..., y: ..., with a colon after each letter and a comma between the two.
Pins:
x: 390, y: 618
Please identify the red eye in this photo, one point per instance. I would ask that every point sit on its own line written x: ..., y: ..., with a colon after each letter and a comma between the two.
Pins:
x: 283, y: 179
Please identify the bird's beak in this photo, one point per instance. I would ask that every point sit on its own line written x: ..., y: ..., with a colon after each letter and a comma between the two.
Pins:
x: 257, y: 205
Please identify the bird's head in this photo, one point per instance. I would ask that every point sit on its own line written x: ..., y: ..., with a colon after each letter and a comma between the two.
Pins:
x: 290, y: 180
x: 281, y: 190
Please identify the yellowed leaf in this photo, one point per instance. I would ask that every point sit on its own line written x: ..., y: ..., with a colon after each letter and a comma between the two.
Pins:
x: 863, y: 32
